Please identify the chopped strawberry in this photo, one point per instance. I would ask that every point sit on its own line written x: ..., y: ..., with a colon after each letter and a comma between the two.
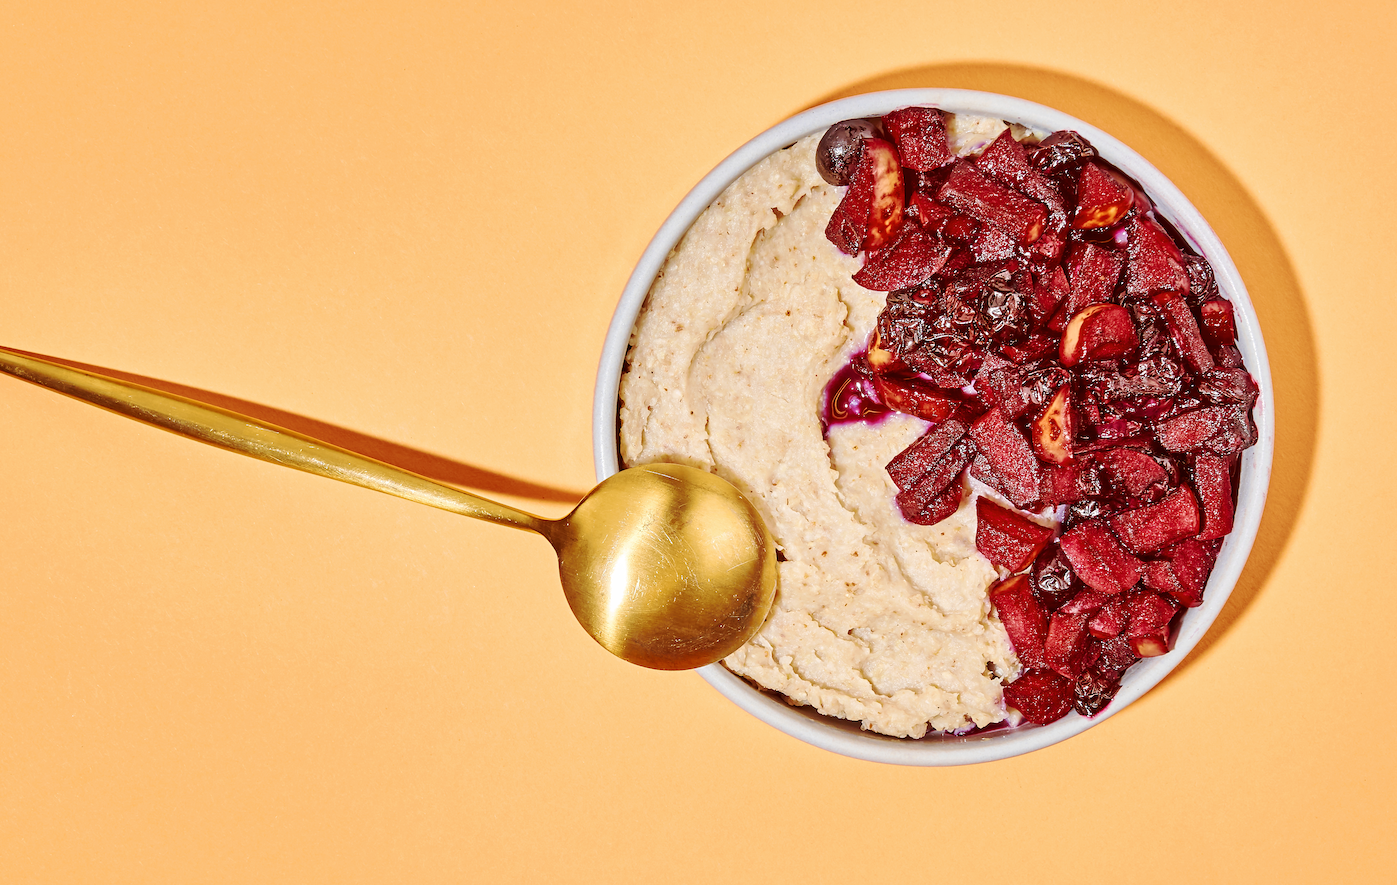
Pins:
x: 991, y: 203
x: 1068, y: 483
x: 920, y: 136
x: 1041, y: 695
x: 1047, y: 249
x: 1155, y: 526
x: 1085, y: 602
x: 1023, y: 619
x: 1013, y: 470
x: 1007, y: 538
x: 929, y: 496
x: 1102, y: 200
x: 1098, y: 558
x: 848, y: 226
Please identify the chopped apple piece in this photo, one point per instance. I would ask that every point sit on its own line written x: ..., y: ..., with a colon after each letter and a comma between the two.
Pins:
x: 1051, y: 434
x: 1023, y: 619
x: 1101, y: 199
x: 1007, y: 538
x: 1098, y: 332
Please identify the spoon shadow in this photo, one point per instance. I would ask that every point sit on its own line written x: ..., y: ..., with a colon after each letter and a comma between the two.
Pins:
x: 426, y: 464
x: 1254, y: 246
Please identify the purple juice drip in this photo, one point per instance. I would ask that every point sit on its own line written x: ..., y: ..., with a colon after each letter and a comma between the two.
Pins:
x: 850, y: 396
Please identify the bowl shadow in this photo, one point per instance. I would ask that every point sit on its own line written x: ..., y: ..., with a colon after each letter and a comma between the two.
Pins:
x: 1251, y: 241
x: 427, y: 464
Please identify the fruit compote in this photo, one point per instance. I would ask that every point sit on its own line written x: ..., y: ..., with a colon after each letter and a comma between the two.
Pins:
x: 1074, y: 356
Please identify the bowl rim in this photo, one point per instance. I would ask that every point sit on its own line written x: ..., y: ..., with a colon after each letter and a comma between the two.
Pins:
x: 846, y: 738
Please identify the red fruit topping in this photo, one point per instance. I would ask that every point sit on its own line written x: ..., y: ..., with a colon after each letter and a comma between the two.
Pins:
x: 1152, y: 645
x: 1023, y: 619
x: 1093, y: 273
x: 1213, y: 477
x: 912, y: 260
x: 1012, y: 468
x: 911, y: 395
x: 1101, y: 199
x: 1085, y: 602
x: 1218, y: 326
x: 1093, y: 351
x: 1006, y: 162
x: 1190, y: 431
x: 1051, y: 431
x: 991, y: 244
x: 977, y: 196
x: 1098, y: 558
x: 1184, y: 330
x: 1042, y: 696
x: 1116, y: 655
x: 931, y: 509
x: 885, y: 208
x: 1067, y: 484
x: 924, y: 455
x: 930, y: 215
x: 1007, y: 538
x: 1148, y: 613
x: 1098, y: 332
x: 1183, y: 573
x: 1155, y: 526
x: 1067, y: 645
x: 1155, y: 263
x: 1109, y: 620
x: 920, y: 136
x: 1130, y: 470
x: 961, y: 227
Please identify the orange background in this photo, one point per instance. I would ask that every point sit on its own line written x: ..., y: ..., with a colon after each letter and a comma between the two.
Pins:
x: 404, y: 228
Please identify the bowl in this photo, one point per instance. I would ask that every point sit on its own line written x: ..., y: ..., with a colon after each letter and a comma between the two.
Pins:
x: 847, y: 738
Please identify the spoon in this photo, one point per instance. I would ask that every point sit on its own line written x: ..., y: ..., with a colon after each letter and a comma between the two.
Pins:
x: 666, y: 566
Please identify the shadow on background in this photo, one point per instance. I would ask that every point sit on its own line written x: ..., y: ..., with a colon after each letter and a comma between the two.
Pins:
x: 1250, y: 240
x: 426, y: 464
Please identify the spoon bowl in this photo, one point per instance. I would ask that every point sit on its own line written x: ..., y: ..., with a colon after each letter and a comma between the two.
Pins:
x: 665, y: 566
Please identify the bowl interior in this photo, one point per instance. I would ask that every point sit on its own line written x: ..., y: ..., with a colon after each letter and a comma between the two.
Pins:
x: 846, y: 737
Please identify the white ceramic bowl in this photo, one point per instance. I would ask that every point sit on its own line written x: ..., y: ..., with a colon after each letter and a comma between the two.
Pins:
x: 845, y: 737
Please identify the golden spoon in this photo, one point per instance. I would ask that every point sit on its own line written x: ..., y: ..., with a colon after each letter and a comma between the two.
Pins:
x: 665, y: 565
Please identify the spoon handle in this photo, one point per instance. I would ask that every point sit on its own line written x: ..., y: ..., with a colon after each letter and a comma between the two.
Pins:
x: 258, y: 439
